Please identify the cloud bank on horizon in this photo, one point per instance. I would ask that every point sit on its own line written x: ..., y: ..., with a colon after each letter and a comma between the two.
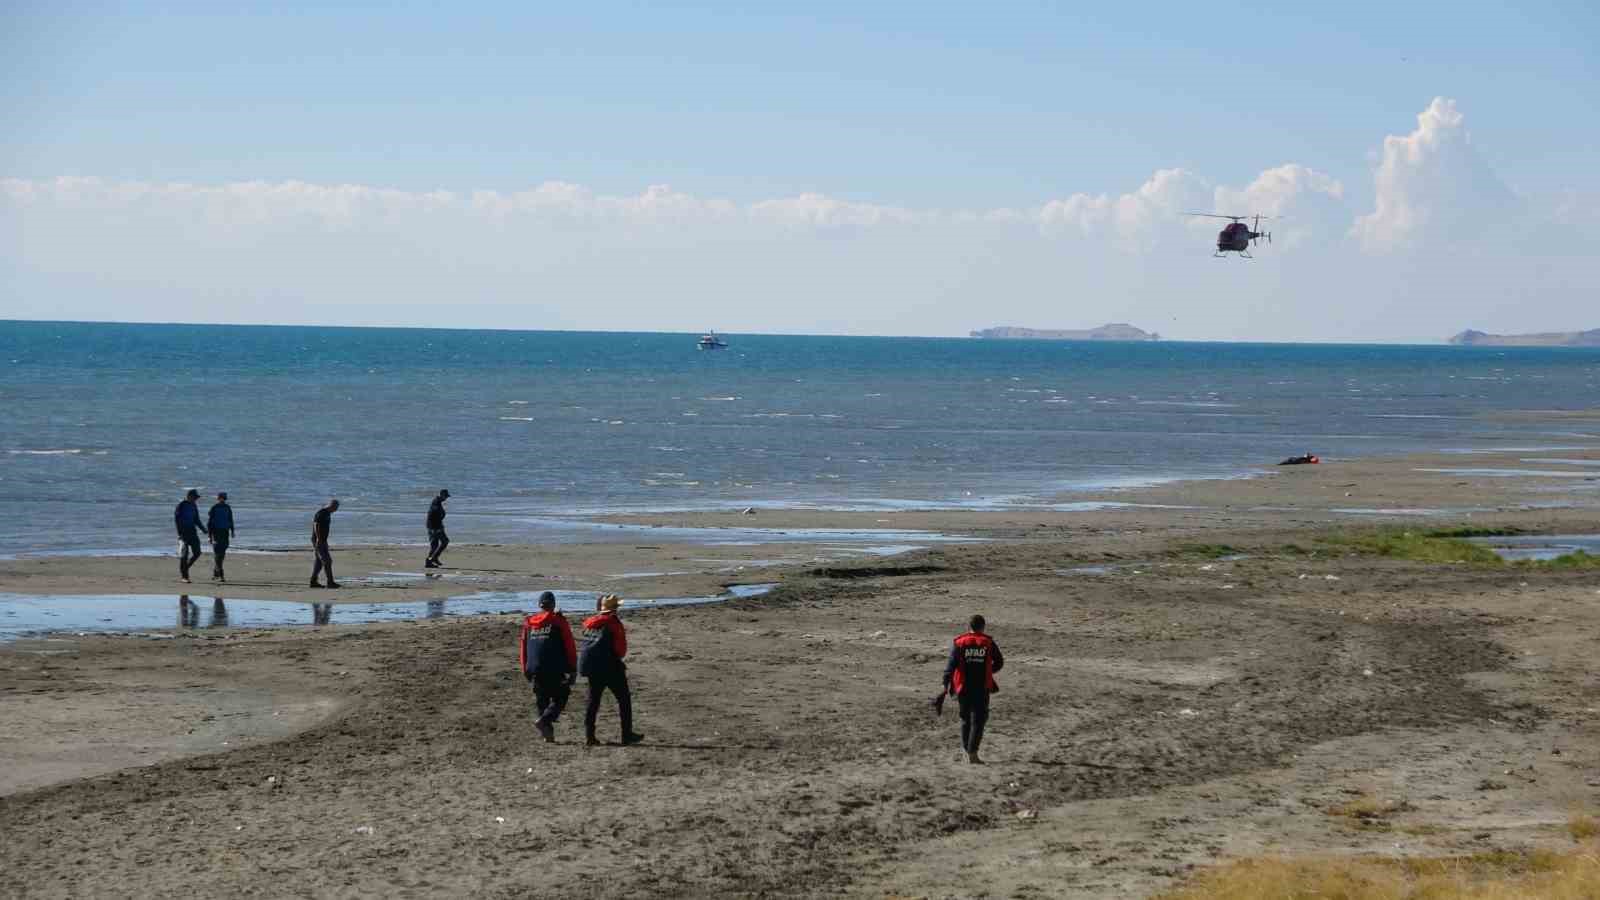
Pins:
x: 1439, y: 243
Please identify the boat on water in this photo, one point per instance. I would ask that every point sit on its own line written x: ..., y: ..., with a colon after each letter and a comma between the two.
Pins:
x: 710, y: 341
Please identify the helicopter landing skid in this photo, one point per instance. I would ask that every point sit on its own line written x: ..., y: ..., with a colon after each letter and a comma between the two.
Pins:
x: 1224, y: 254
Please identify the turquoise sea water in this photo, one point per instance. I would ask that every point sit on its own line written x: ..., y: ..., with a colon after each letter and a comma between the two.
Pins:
x: 104, y: 425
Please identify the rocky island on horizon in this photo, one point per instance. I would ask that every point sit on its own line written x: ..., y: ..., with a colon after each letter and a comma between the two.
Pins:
x: 1116, y: 331
x: 1471, y: 338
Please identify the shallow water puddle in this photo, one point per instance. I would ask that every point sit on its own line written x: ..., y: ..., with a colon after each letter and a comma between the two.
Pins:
x: 22, y: 615
x: 1540, y: 546
x: 1512, y: 473
x: 1087, y: 570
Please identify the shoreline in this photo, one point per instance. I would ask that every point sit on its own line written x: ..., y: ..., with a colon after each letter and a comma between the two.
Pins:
x: 707, y: 524
x: 696, y: 553
x: 584, y: 523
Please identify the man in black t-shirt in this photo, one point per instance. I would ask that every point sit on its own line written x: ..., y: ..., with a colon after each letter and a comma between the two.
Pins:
x: 437, y: 539
x: 321, y: 524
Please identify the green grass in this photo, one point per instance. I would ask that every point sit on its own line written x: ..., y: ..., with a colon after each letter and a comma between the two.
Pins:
x: 1209, y: 551
x: 1449, y: 546
x: 1473, y: 532
x: 1578, y: 560
x: 1417, y: 546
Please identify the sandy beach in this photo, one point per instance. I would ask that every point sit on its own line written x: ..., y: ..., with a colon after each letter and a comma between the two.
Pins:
x: 1197, y: 671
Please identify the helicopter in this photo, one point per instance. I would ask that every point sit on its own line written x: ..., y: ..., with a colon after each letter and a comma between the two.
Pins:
x: 1238, y: 236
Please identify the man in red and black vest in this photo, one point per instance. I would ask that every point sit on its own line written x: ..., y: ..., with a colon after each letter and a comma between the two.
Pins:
x: 605, y: 643
x: 974, y: 658
x: 549, y: 659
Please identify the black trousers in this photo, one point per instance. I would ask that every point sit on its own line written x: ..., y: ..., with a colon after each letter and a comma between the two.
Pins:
x: 437, y: 541
x: 324, y: 561
x: 974, y: 715
x: 219, y: 550
x: 188, y: 551
x: 550, y: 692
x: 617, y: 683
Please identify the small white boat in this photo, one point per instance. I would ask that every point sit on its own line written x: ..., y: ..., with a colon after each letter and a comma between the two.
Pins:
x: 710, y: 341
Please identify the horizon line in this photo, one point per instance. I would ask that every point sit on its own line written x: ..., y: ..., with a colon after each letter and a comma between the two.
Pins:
x: 1163, y: 340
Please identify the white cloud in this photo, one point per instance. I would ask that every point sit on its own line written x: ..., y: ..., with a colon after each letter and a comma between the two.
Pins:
x: 1134, y: 217
x: 1432, y: 185
x: 1304, y: 204
x: 562, y: 255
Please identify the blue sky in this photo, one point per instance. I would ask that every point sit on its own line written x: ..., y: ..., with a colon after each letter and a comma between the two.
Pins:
x: 967, y: 108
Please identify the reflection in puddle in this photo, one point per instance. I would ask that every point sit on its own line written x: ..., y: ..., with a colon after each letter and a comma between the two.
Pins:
x: 1541, y: 546
x: 189, y: 613
x: 1513, y: 473
x: 1087, y: 570
x: 1405, y: 511
x: 23, y: 615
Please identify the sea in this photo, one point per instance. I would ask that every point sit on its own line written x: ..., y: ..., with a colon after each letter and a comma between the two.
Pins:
x: 103, y: 426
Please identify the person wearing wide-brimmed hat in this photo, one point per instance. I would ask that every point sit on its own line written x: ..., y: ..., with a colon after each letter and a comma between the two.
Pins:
x: 187, y: 518
x: 605, y: 643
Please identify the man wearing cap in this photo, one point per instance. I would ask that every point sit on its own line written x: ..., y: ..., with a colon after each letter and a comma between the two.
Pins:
x: 219, y: 524
x: 187, y: 518
x: 605, y: 643
x: 969, y: 677
x: 549, y: 660
x: 321, y: 524
x: 437, y: 539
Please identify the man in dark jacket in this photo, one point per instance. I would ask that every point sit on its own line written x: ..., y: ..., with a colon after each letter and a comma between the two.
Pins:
x: 549, y: 660
x: 219, y: 524
x: 321, y: 524
x: 187, y: 518
x: 969, y: 676
x: 605, y: 643
x: 437, y: 539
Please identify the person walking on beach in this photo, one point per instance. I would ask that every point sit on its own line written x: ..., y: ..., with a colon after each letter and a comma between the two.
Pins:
x: 605, y: 643
x: 437, y: 539
x: 187, y: 518
x: 321, y: 524
x: 969, y: 677
x: 219, y: 524
x: 549, y: 660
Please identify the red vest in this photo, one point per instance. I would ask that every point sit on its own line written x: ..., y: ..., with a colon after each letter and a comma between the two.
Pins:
x: 976, y: 660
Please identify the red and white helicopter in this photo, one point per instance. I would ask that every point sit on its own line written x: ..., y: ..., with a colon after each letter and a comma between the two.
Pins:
x: 1237, y: 237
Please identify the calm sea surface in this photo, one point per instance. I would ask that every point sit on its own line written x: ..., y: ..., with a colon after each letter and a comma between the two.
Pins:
x: 102, y: 426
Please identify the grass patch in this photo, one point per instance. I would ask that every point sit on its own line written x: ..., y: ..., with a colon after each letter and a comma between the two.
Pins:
x: 1368, y: 808
x: 1369, y: 813
x: 1583, y: 828
x: 1449, y: 545
x: 1416, y: 545
x: 1209, y: 551
x: 1575, y: 560
x: 1473, y: 532
x: 1497, y: 875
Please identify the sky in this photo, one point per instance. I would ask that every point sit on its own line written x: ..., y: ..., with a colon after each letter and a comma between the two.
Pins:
x: 840, y: 168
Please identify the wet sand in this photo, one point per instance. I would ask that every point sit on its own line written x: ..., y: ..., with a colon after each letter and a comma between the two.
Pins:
x: 1160, y: 709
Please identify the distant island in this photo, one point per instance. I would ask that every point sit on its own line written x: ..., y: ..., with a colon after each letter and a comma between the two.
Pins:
x: 1470, y: 338
x: 1116, y: 331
